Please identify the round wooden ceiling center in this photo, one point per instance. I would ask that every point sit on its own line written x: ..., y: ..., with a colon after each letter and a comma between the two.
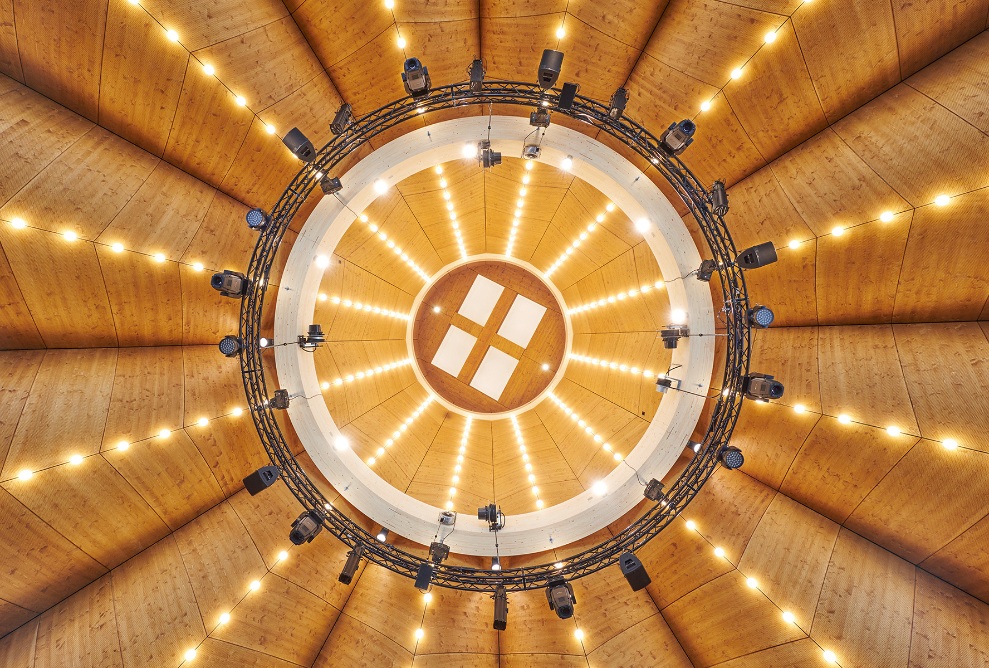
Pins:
x: 489, y: 336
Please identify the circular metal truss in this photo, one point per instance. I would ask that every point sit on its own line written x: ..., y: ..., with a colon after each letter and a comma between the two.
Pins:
x: 734, y: 318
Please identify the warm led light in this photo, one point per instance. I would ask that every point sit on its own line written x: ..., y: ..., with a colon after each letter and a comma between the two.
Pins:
x: 942, y: 200
x: 322, y: 261
x: 419, y: 634
x: 950, y: 443
x: 341, y: 443
x: 830, y: 657
x: 283, y: 555
x: 401, y: 42
x: 558, y: 565
x: 578, y: 634
x: 844, y: 419
x: 70, y: 235
x: 642, y: 225
x: 190, y: 654
x: 752, y: 583
x: 269, y: 128
x: 255, y: 585
x: 123, y: 445
x: 389, y: 4
x: 75, y: 460
x: 706, y: 105
x: 225, y: 617
x: 209, y: 69
x: 237, y: 412
x: 380, y: 186
x: 25, y: 474
x: 117, y: 248
x: 691, y: 525
x: 770, y: 37
x: 241, y: 101
x: 561, y: 33
x: 736, y: 73
x: 886, y: 216
x: 172, y: 35
x: 788, y: 617
x: 678, y: 316
x: 567, y: 164
x: 794, y: 244
x: 893, y: 430
x: 436, y: 309
x: 202, y: 422
x: 427, y: 598
x: 197, y: 266
x: 838, y: 231
x: 799, y: 408
x: 164, y: 433
x: 719, y: 552
x: 599, y: 488
x: 545, y: 367
x: 159, y: 257
x: 438, y: 169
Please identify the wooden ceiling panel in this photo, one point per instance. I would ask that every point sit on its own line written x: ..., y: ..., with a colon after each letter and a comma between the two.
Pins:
x: 527, y: 34
x: 17, y: 373
x: 788, y: 286
x: 770, y: 435
x: 617, y: 386
x: 445, y: 47
x: 627, y: 21
x: 452, y: 625
x: 807, y: 539
x: 201, y: 23
x: 866, y: 606
x: 311, y: 108
x: 850, y: 49
x: 61, y: 51
x: 380, y: 423
x: 857, y: 273
x: 598, y: 61
x: 927, y: 30
x: 791, y: 354
x: 231, y: 447
x: 371, y: 76
x: 725, y: 619
x: 958, y: 80
x: 72, y: 383
x: 136, y: 49
x: 145, y: 298
x: 660, y: 94
x: 595, y: 203
x: 892, y: 130
x: 775, y: 99
x: 261, y: 170
x: 947, y: 624
x: 223, y: 240
x: 647, y: 643
x: 603, y: 615
x: 706, y: 39
x: 352, y: 642
x: 220, y: 654
x: 206, y: 315
x: 396, y: 621
x: 796, y: 654
x: 721, y: 149
x: 153, y: 598
x: 336, y: 29
x: 430, y: 11
x: 94, y: 507
x: 213, y: 384
x: 82, y: 626
x: 18, y: 648
x: 829, y: 184
x: 964, y: 561
x: 10, y: 60
x: 534, y: 628
x: 146, y: 397
x: 502, y: 188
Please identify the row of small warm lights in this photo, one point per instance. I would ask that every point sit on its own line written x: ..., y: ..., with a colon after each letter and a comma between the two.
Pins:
x: 400, y: 42
x: 122, y: 446
x: 634, y: 370
x: 643, y: 289
x: 224, y: 618
x: 526, y: 462
x: 367, y: 373
x: 70, y: 236
x: 575, y: 244
x: 359, y: 306
x: 523, y: 191
x: 388, y: 242
x: 458, y: 467
x: 586, y: 428
x: 402, y: 428
x: 752, y: 583
x: 453, y: 214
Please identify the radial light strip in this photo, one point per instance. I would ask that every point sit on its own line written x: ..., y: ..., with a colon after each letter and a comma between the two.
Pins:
x: 448, y: 198
x: 634, y: 370
x: 643, y: 289
x: 458, y: 467
x: 528, y: 465
x: 402, y: 428
x: 394, y: 247
x: 351, y: 377
x: 359, y: 306
x: 519, y: 204
x: 575, y: 244
x: 585, y: 427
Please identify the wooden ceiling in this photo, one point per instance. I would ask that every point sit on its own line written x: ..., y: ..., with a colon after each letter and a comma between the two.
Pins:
x: 109, y: 130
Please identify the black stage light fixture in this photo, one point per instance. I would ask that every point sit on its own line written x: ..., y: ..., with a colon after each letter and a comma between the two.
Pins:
x: 306, y: 527
x: 531, y: 151
x: 664, y: 384
x: 491, y: 514
x: 490, y: 158
x: 678, y: 136
x: 230, y: 345
x: 654, y: 491
x: 634, y: 571
x: 475, y: 72
x: 261, y: 479
x: 382, y: 535
x: 438, y: 552
x: 761, y: 386
x: 567, y: 95
x: 719, y: 198
x: 330, y: 185
x: 731, y: 457
x: 760, y: 316
x: 257, y: 219
x: 312, y: 340
x: 415, y: 78
x: 549, y: 68
x: 672, y: 334
x: 424, y: 577
x: 695, y: 446
x: 617, y: 106
x: 228, y: 283
x: 539, y: 118
x: 280, y: 401
x: 300, y: 145
x: 706, y: 270
x: 500, y: 608
x: 757, y: 256
x: 496, y: 563
x: 561, y: 599
x: 351, y: 565
x: 343, y: 118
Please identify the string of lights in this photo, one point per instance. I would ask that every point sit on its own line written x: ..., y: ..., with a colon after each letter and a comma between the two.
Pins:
x: 516, y: 216
x: 367, y: 373
x: 586, y: 428
x: 401, y: 429
x: 581, y: 238
x: 458, y: 467
x: 359, y: 306
x: 527, y: 463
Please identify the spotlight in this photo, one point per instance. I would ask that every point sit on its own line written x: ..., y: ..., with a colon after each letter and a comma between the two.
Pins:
x: 300, y: 145
x: 694, y: 446
x: 490, y: 158
x: 424, y: 577
x: 496, y: 563
x: 306, y: 527
x: 438, y: 552
x: 757, y: 256
x: 261, y: 479
x: 719, y: 198
x: 280, y: 401
x: 731, y: 457
x: 330, y: 185
x: 672, y: 334
x: 567, y: 96
x: 493, y: 516
x: 539, y: 118
x: 618, y: 102
x: 567, y: 163
x: 560, y: 596
x: 230, y: 345
x: 761, y: 386
x: 382, y: 535
x: 678, y: 137
x: 352, y: 564
x: 476, y: 74
x: 665, y: 384
x: 343, y: 118
x: 257, y: 219
x: 760, y: 316
x: 706, y: 270
x: 416, y: 78
x: 312, y: 340
x: 531, y: 151
x: 634, y: 571
x: 654, y: 491
x: 231, y: 284
x: 500, y: 608
x: 549, y: 68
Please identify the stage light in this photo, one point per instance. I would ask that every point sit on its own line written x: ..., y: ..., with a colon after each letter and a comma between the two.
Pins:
x: 678, y: 137
x: 719, y: 199
x: 280, y: 400
x: 757, y: 256
x: 230, y: 346
x: 760, y: 316
x: 567, y: 163
x: 599, y: 488
x: 330, y: 185
x: 731, y: 457
x: 634, y: 572
x: 415, y: 78
x: 306, y: 527
x: 312, y: 339
x: 424, y: 577
x: 351, y: 565
x: 695, y: 446
x: 261, y: 479
x: 618, y: 102
x: 257, y: 219
x: 490, y: 158
x: 706, y: 271
x: 500, y: 608
x: 496, y: 563
x: 567, y: 96
x: 382, y: 535
x: 672, y: 335
x: 549, y: 68
x: 561, y: 598
x: 654, y: 491
x: 341, y: 443
x: 300, y: 145
x: 665, y: 384
x: 493, y: 516
x: 539, y: 118
x: 532, y: 151
x: 761, y: 386
x: 438, y: 552
x: 475, y: 72
x: 342, y: 119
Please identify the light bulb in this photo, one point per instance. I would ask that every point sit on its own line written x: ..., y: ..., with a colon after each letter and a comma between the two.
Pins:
x: 770, y: 37
x: 706, y: 105
x: 886, y: 216
x: 736, y: 73
x: 560, y: 33
x: 209, y: 69
x: 942, y: 200
x: 117, y: 248
x: 241, y: 101
x: 172, y: 35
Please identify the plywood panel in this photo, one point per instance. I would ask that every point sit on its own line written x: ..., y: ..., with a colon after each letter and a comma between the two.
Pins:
x: 788, y: 286
x: 145, y: 298
x: 10, y: 61
x: 206, y: 316
x: 12, y: 616
x: 798, y: 654
x: 647, y: 643
x: 352, y: 73
x: 153, y: 599
x: 75, y: 386
x: 761, y: 211
x: 310, y: 108
x: 147, y: 395
x: 200, y: 24
x: 791, y: 355
x: 136, y: 50
x: 333, y: 39
x: 929, y: 29
x: 534, y: 628
x: 685, y: 560
x: 457, y: 621
x: 607, y: 608
x: 17, y: 373
x: 261, y: 169
x: 397, y: 621
x: 958, y: 80
x: 948, y: 626
x: 223, y: 240
x: 866, y: 605
x: 231, y: 447
x: 17, y: 649
x: 213, y: 384
x: 964, y: 561
x: 81, y: 628
x: 354, y: 643
x: 219, y: 654
x: 19, y: 330
x: 770, y: 435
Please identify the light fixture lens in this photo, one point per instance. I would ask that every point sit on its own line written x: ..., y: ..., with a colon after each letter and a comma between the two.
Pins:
x: 691, y: 525
x: 283, y: 555
x: 844, y: 419
x: 752, y: 583
x: 172, y: 35
x: 427, y: 598
x: 269, y: 128
x: 545, y: 367
x: 560, y: 33
x: 401, y: 42
x: 25, y: 474
x: 788, y: 617
x: 322, y: 261
x: 159, y: 257
x: 830, y: 657
x: 190, y: 654
x: 237, y: 412
x: 838, y: 231
x: 203, y: 422
x: 225, y: 617
x: 164, y: 433
x: 799, y: 408
x: 719, y: 552
x: 117, y: 248
x: 197, y: 266
x: 578, y: 634
x: 123, y: 445
x: 70, y: 235
x: 706, y: 105
x: 255, y: 585
x: 599, y: 488
x: 419, y: 634
x: 893, y: 430
x: 389, y: 4
x: 241, y: 101
x: 794, y: 244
